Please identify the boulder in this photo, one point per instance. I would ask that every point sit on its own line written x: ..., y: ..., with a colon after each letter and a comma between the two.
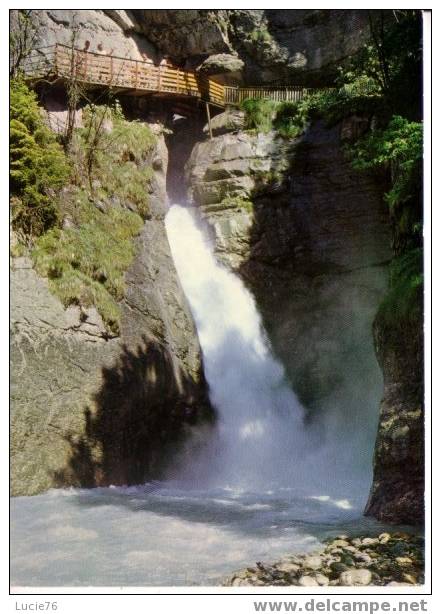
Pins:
x: 355, y: 577
x: 228, y: 121
x: 226, y: 68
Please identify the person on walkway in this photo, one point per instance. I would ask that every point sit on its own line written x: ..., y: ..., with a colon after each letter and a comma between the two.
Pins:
x: 105, y: 74
x: 81, y: 61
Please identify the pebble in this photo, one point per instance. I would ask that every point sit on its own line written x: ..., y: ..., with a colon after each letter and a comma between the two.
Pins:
x: 347, y: 560
x: 363, y: 557
x: 289, y: 567
x: 308, y: 581
x: 322, y: 580
x: 369, y: 541
x: 313, y: 562
x: 386, y: 560
x: 350, y: 549
x: 338, y: 567
x: 340, y: 543
x: 384, y: 538
x: 356, y: 577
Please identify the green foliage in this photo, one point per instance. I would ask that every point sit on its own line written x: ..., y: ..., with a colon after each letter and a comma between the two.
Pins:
x: 404, y: 299
x: 39, y: 168
x: 259, y: 114
x: 83, y: 242
x: 400, y: 149
x: 358, y: 96
x: 260, y: 35
x: 85, y: 262
x: 115, y: 155
x: 393, y: 58
x: 291, y: 119
x: 23, y: 38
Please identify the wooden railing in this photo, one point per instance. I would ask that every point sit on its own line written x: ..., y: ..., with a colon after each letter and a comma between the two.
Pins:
x: 61, y: 61
x: 289, y: 93
x: 137, y: 76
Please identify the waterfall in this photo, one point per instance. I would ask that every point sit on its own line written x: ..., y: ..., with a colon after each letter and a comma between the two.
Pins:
x: 261, y: 483
x: 261, y: 439
x: 260, y: 421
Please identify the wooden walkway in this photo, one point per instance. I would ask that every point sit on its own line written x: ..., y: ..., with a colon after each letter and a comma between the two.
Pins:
x: 138, y: 77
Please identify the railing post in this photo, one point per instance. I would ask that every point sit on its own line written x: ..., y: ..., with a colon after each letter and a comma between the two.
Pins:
x: 159, y: 77
x: 111, y: 71
x: 207, y: 106
x: 136, y: 74
x: 56, y: 60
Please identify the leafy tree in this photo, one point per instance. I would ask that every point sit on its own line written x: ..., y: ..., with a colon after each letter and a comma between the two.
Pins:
x: 398, y: 148
x: 39, y: 168
x: 23, y: 37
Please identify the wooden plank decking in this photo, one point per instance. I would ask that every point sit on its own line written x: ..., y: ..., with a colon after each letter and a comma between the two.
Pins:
x: 138, y: 77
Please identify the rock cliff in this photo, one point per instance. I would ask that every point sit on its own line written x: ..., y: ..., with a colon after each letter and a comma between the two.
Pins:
x: 398, y: 496
x: 308, y: 234
x: 311, y: 239
x: 237, y: 45
x: 89, y: 410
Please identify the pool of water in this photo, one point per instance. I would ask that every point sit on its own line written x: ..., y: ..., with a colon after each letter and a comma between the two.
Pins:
x: 165, y: 535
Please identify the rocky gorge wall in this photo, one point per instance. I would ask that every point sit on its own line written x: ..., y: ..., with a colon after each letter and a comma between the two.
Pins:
x: 88, y: 409
x: 309, y: 235
x: 398, y: 496
x: 311, y: 238
x: 251, y: 46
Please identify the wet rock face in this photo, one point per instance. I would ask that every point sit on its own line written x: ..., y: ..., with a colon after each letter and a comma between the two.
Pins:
x: 271, y: 44
x: 313, y: 246
x: 88, y: 410
x: 249, y: 46
x: 225, y: 173
x: 95, y: 26
x: 185, y: 34
x: 312, y: 242
x: 303, y: 45
x: 398, y: 495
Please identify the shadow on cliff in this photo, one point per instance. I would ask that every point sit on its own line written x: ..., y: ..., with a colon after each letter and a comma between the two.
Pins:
x: 141, y: 412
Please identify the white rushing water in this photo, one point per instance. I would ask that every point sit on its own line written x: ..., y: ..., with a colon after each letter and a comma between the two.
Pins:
x: 262, y: 485
x: 259, y: 429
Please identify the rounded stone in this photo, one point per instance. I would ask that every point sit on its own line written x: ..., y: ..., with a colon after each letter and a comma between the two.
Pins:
x: 313, y: 562
x: 308, y: 581
x: 363, y: 557
x: 370, y: 541
x: 288, y: 567
x: 321, y: 579
x: 384, y: 538
x: 338, y: 567
x: 356, y: 577
x: 340, y: 543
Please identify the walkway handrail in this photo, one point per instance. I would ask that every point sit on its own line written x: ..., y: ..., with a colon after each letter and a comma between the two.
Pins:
x: 90, y: 67
x: 61, y: 61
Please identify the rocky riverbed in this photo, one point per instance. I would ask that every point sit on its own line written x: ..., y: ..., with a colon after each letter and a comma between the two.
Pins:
x: 390, y: 559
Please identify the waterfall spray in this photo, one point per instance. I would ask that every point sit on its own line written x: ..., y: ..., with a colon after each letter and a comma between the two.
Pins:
x: 261, y: 440
x: 260, y: 419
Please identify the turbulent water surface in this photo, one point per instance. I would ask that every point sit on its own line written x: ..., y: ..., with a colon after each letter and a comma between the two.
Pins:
x: 160, y: 535
x: 264, y: 482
